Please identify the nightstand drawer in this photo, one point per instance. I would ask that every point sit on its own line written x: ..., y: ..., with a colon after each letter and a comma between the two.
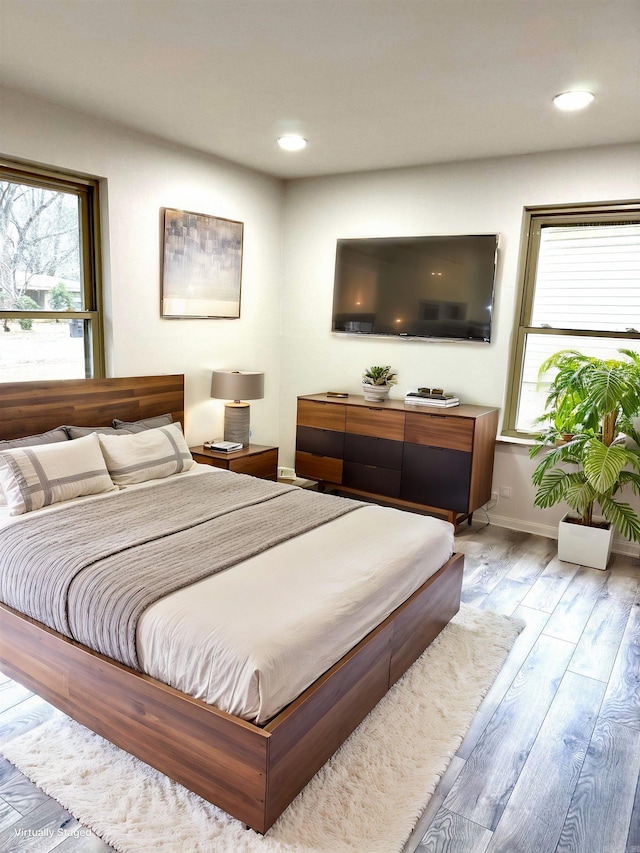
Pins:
x: 263, y: 465
x: 259, y: 460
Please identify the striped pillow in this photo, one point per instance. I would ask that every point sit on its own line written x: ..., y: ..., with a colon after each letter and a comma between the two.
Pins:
x: 34, y: 477
x: 147, y: 455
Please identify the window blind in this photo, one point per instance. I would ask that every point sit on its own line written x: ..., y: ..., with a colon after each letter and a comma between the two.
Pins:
x: 588, y: 278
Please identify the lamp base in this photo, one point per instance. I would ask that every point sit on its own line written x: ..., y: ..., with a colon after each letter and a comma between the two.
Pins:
x: 236, y: 422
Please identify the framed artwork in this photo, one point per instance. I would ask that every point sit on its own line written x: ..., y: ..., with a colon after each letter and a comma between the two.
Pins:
x: 201, y: 265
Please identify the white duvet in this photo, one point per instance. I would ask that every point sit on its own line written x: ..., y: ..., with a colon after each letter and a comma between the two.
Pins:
x: 250, y: 639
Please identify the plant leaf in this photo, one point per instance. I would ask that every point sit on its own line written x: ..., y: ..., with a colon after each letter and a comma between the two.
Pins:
x: 607, y: 386
x: 630, y: 478
x: 552, y: 488
x: 622, y: 516
x: 602, y: 464
x: 579, y: 493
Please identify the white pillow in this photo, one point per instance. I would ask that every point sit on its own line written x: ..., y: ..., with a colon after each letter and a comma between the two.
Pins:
x: 51, y: 437
x: 33, y: 477
x: 147, y: 455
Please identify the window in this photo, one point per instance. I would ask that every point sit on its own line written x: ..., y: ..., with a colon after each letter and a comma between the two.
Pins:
x: 50, y: 299
x: 580, y: 289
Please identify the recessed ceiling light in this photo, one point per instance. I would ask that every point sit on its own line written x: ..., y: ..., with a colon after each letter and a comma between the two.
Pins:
x: 573, y: 100
x: 292, y: 142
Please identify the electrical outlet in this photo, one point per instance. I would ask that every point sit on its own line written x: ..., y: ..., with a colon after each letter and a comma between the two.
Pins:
x: 505, y: 491
x: 494, y: 497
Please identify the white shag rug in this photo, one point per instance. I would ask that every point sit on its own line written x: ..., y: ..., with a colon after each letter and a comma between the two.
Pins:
x: 366, y: 799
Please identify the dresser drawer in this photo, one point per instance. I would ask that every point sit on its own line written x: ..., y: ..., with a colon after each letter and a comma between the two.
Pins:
x: 375, y: 422
x: 318, y: 467
x: 436, y: 476
x: 322, y: 442
x: 370, y: 478
x: 373, y: 451
x: 314, y: 413
x: 439, y: 431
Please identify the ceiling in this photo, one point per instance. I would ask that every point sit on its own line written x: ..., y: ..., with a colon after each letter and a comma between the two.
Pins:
x: 372, y: 84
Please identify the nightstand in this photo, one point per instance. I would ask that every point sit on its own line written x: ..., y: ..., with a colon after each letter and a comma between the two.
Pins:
x: 256, y: 459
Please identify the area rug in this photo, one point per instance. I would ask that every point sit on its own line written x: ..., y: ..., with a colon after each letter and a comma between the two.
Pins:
x: 366, y: 799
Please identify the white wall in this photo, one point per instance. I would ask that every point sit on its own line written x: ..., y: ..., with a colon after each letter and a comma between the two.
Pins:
x: 141, y: 175
x: 464, y: 198
x: 285, y: 321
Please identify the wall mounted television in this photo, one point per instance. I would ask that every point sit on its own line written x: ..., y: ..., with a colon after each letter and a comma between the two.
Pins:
x: 438, y: 288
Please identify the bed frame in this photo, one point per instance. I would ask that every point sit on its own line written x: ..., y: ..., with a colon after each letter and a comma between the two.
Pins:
x: 251, y: 772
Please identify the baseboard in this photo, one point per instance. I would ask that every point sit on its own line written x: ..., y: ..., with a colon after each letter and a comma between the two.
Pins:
x: 547, y: 530
x: 619, y: 546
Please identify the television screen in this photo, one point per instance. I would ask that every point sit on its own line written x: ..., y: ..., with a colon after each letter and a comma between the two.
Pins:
x: 416, y: 287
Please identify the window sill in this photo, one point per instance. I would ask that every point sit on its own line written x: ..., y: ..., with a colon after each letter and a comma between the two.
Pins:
x: 512, y: 439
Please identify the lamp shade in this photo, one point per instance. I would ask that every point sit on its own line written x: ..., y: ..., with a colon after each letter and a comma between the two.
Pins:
x: 237, y: 385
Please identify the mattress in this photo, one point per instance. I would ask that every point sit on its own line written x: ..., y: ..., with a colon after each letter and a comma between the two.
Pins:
x: 250, y: 639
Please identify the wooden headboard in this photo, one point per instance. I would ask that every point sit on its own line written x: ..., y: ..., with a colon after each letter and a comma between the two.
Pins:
x: 29, y: 408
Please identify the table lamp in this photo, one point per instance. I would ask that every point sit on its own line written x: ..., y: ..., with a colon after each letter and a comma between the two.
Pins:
x: 237, y: 386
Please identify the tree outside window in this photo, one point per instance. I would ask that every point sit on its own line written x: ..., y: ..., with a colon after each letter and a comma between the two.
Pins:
x: 50, y: 324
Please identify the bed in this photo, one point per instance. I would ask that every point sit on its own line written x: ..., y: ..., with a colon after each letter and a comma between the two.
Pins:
x: 254, y: 761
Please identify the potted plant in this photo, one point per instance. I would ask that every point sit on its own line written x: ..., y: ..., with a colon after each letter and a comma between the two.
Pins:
x: 590, y: 409
x: 376, y: 382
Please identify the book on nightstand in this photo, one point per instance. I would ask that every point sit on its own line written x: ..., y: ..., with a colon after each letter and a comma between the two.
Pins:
x: 224, y: 446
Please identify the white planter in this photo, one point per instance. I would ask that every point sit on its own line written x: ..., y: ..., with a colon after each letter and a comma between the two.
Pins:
x: 375, y: 393
x: 588, y: 546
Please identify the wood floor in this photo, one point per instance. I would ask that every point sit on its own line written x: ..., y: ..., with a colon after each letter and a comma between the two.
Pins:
x: 552, y: 759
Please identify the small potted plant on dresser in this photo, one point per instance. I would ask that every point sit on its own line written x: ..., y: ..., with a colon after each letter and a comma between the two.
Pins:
x: 376, y: 382
x: 591, y: 407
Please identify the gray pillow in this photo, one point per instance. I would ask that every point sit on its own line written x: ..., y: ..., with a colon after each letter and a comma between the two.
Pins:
x: 80, y: 432
x: 51, y: 437
x: 145, y: 423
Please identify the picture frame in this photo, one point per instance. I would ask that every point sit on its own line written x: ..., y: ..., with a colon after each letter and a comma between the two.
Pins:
x: 201, y: 270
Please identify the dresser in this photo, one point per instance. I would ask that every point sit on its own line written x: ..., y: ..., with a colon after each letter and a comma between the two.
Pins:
x: 422, y: 457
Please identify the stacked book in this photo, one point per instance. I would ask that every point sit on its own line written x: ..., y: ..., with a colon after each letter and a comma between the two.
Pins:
x: 420, y: 398
x: 224, y: 446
